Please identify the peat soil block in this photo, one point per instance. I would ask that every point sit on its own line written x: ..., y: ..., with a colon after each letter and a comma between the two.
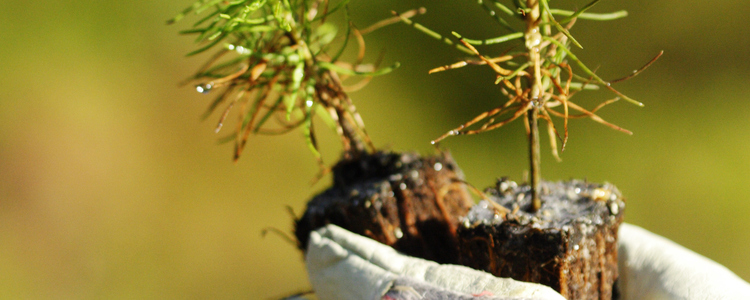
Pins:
x: 411, y: 203
x: 569, y: 244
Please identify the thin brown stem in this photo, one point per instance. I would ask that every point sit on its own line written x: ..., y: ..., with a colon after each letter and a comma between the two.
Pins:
x: 534, y: 158
x: 393, y: 20
x: 533, y: 37
x: 338, y: 102
x: 636, y: 72
x: 350, y: 127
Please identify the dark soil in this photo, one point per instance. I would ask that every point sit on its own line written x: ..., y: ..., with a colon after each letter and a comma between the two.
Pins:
x: 420, y: 207
x: 409, y: 202
x: 569, y: 244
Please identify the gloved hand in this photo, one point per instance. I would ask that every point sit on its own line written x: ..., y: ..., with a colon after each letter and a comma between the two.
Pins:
x: 653, y: 267
x: 343, y: 265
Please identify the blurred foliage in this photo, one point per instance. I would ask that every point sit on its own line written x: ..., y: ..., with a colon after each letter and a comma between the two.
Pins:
x: 111, y: 187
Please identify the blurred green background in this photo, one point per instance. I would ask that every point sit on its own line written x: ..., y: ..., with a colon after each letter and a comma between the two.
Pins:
x: 111, y: 188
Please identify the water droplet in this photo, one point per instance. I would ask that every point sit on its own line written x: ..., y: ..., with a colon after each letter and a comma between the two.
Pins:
x: 398, y: 233
x: 402, y: 186
x: 614, y: 208
x: 230, y: 47
x: 309, y: 103
x: 432, y: 142
x: 533, y: 38
x: 203, y: 88
x: 438, y: 166
x: 507, y: 186
x: 571, y: 194
x: 242, y: 50
x: 453, y: 132
x: 576, y: 247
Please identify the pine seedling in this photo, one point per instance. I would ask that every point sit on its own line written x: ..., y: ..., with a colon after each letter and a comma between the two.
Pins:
x: 281, y: 60
x: 539, y: 81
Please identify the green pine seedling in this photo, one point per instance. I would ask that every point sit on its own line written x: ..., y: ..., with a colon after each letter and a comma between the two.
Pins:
x: 538, y: 81
x: 280, y: 60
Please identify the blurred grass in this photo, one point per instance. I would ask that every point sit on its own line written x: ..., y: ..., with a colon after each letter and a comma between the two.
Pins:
x: 111, y: 188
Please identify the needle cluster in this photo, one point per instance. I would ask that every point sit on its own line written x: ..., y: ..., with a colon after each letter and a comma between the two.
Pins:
x: 278, y: 62
x: 538, y: 81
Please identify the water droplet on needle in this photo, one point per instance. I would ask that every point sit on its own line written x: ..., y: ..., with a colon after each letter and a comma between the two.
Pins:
x: 203, y: 88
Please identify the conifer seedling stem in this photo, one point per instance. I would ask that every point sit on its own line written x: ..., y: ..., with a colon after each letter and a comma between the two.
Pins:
x: 353, y: 145
x: 533, y: 37
x: 534, y: 159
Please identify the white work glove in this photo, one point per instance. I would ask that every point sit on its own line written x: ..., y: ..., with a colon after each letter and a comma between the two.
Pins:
x: 343, y: 265
x: 653, y: 267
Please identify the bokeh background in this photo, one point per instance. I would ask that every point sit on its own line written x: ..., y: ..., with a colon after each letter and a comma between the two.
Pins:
x: 111, y: 187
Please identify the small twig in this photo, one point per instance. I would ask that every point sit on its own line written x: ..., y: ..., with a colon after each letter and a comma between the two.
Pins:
x: 407, y: 15
x: 281, y: 234
x: 636, y: 72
